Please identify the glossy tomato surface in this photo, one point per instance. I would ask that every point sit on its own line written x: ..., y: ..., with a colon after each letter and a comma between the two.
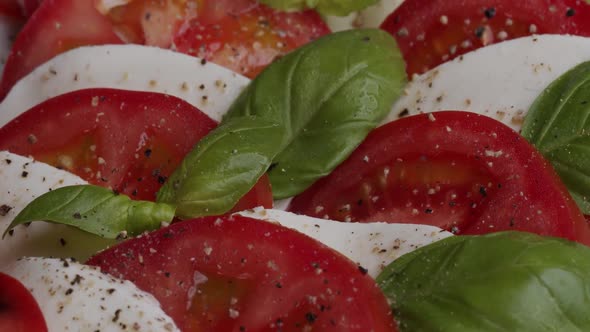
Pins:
x: 242, y: 35
x: 19, y: 311
x: 129, y: 141
x: 55, y: 27
x: 242, y: 274
x: 430, y: 32
x: 460, y: 171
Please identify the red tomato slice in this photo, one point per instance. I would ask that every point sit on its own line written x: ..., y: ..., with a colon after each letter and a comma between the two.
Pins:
x: 460, y: 171
x: 28, y: 7
x: 430, y: 32
x: 129, y: 141
x: 55, y: 27
x: 19, y: 311
x: 242, y: 274
x: 11, y: 8
x: 241, y: 35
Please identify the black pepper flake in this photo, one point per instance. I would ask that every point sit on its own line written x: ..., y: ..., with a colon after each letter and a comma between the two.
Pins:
x: 511, y: 222
x: 63, y: 242
x: 167, y: 274
x: 366, y: 39
x: 147, y: 16
x: 134, y: 192
x: 278, y: 285
x: 116, y: 317
x: 77, y: 279
x: 24, y: 174
x: 77, y: 215
x: 482, y: 191
x: 490, y: 12
x: 8, y: 161
x: 479, y: 32
x: 11, y: 232
x: 110, y: 291
x: 570, y: 12
x: 403, y: 113
x: 203, y: 62
x: 311, y: 317
x: 363, y: 270
x: 428, y: 211
x: 242, y: 328
x: 69, y: 291
x: 162, y: 179
x: 65, y: 263
x: 4, y: 209
x: 148, y: 152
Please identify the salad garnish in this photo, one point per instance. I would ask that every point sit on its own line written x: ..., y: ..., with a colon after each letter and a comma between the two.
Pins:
x: 557, y: 124
x: 337, y: 89
x: 508, y: 281
x: 96, y: 210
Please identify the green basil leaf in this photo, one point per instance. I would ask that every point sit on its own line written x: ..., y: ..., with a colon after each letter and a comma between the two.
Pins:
x: 325, y: 7
x: 498, y: 282
x: 328, y: 96
x: 222, y: 167
x: 95, y: 210
x: 558, y: 125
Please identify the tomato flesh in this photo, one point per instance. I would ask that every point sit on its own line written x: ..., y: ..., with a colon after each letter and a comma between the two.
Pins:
x: 128, y: 141
x: 19, y: 311
x: 55, y: 27
x: 464, y: 172
x: 430, y: 32
x: 240, y: 274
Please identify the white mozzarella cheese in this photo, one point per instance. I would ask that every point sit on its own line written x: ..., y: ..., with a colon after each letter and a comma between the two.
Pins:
x: 500, y: 80
x: 207, y: 86
x: 371, y: 245
x: 76, y: 297
x: 21, y: 180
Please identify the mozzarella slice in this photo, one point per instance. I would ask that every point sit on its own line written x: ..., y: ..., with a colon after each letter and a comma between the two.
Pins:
x: 371, y: 245
x: 76, y: 297
x: 207, y: 86
x: 500, y: 80
x: 21, y: 180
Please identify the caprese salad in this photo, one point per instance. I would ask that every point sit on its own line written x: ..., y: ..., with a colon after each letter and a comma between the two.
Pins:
x: 242, y: 166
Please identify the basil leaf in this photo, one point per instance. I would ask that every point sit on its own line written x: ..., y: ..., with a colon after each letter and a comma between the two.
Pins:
x: 95, y: 210
x: 558, y: 125
x: 325, y: 7
x: 222, y: 167
x: 498, y: 282
x: 327, y: 96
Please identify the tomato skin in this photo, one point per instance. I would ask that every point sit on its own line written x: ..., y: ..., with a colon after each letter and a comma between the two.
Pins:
x: 273, y: 278
x: 55, y: 27
x: 126, y: 140
x: 431, y: 32
x: 464, y: 172
x: 19, y: 311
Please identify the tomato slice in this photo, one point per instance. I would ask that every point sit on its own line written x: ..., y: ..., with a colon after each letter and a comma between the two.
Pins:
x: 11, y: 8
x: 460, y: 171
x: 241, y: 274
x: 55, y: 27
x: 430, y: 32
x: 126, y: 140
x: 242, y: 35
x: 19, y: 311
